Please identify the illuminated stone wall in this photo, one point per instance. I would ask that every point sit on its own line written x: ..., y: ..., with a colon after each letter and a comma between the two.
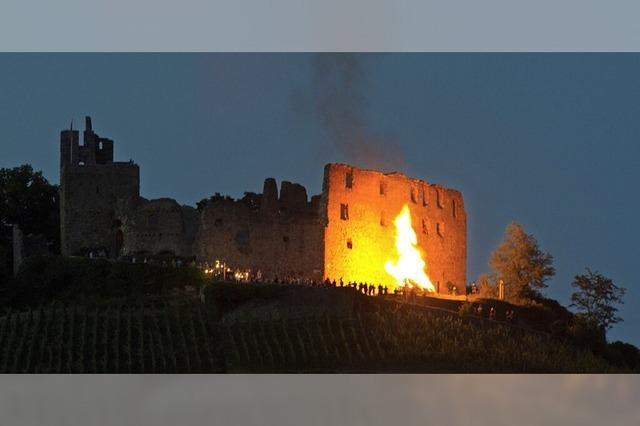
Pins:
x: 359, y: 233
x: 346, y: 232
x: 279, y: 235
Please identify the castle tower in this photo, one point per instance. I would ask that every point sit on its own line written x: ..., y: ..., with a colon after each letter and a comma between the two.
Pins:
x: 359, y: 236
x: 90, y: 184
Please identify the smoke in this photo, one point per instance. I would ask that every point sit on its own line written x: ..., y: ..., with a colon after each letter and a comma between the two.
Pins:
x: 339, y: 101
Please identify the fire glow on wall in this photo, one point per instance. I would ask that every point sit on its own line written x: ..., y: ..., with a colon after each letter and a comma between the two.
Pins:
x: 386, y: 228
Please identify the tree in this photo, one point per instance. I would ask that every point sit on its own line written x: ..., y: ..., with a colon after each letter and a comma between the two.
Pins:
x: 520, y: 263
x: 596, y: 297
x: 200, y: 205
x: 30, y: 201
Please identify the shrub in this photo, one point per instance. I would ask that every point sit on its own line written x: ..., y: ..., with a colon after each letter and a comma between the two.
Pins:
x: 465, y: 309
x: 586, y: 333
x: 623, y: 354
x: 43, y: 279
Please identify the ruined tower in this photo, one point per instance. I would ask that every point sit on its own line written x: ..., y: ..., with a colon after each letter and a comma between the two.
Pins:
x: 360, y: 207
x: 346, y: 232
x: 90, y: 184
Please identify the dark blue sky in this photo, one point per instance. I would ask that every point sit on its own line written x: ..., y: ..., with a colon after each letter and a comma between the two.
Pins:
x: 547, y: 140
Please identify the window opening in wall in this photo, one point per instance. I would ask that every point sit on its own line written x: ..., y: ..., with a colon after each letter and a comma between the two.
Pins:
x: 218, y: 222
x: 412, y: 195
x: 383, y: 220
x: 383, y: 188
x: 100, y: 145
x: 344, y: 211
x: 453, y: 206
x: 424, y: 227
x: 348, y: 180
x: 439, y: 197
x: 349, y: 244
x: 440, y: 229
x: 423, y: 196
x: 285, y: 239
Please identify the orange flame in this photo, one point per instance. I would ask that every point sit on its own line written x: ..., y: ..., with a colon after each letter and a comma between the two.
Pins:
x: 409, y: 269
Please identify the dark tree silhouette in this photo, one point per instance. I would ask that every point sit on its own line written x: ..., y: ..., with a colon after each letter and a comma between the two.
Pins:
x: 30, y: 201
x: 596, y: 297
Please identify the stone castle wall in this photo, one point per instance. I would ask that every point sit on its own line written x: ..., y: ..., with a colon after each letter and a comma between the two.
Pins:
x: 90, y: 185
x: 346, y: 232
x: 361, y: 206
x: 280, y: 236
x: 156, y: 226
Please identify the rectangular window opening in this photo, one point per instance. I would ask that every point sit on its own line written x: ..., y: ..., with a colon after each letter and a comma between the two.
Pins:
x: 348, y: 181
x: 344, y: 211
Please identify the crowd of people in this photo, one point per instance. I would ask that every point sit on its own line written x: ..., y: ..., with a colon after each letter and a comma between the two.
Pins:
x: 364, y: 288
x: 409, y: 293
x: 509, y: 314
x: 361, y: 287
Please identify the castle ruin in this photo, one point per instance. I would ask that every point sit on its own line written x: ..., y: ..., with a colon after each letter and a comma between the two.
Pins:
x: 345, y: 232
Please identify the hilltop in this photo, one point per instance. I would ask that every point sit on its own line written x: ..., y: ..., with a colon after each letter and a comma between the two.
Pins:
x: 154, y: 321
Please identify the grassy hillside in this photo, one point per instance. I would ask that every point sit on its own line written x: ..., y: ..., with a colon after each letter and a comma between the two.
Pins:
x: 279, y: 330
x: 78, y: 315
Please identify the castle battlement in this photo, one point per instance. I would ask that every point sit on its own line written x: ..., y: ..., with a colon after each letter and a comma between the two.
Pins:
x: 90, y: 184
x: 345, y: 232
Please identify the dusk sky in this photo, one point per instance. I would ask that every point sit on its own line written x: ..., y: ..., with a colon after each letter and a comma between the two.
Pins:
x: 547, y: 140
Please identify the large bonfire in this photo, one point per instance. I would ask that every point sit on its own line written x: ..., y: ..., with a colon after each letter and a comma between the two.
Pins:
x: 409, y: 269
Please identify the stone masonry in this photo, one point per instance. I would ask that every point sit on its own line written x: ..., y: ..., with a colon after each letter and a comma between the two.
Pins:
x: 346, y: 232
